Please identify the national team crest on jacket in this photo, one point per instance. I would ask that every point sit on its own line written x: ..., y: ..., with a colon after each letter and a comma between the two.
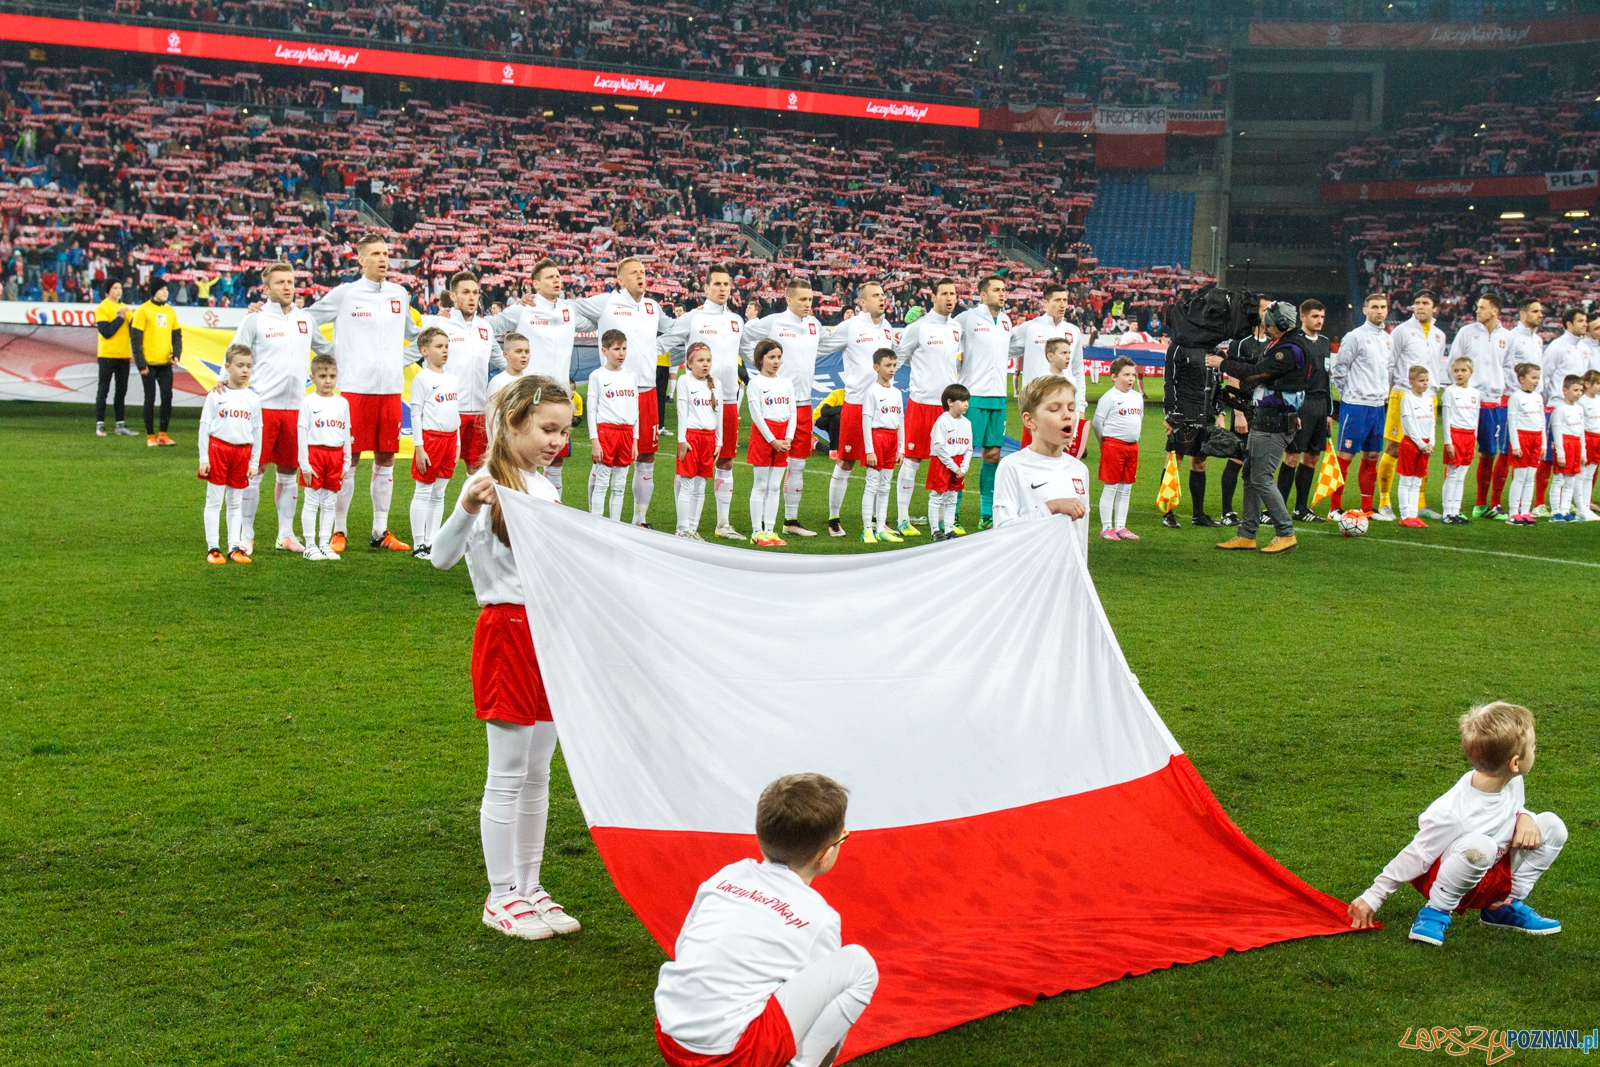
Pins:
x: 566, y: 314
x: 483, y: 333
x: 394, y: 306
x: 812, y: 327
x: 1078, y: 487
x: 649, y: 308
x: 305, y: 327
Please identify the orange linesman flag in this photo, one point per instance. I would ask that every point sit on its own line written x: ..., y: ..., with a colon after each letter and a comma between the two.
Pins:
x: 1168, y: 498
x: 1331, y: 479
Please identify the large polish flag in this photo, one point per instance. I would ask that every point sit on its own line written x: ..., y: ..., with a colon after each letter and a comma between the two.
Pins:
x: 1022, y: 822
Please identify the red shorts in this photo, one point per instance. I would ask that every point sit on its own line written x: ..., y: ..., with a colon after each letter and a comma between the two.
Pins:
x: 474, y: 440
x: 613, y: 444
x: 1119, y: 461
x: 801, y: 447
x: 1080, y: 440
x: 919, y: 428
x: 327, y: 468
x: 441, y: 448
x: 1532, y: 445
x: 280, y: 437
x: 1591, y: 448
x: 851, y: 444
x: 730, y: 430
x: 1465, y: 442
x: 767, y: 1042
x: 649, y: 430
x: 886, y: 446
x: 374, y: 422
x: 1493, y: 888
x: 1413, y: 460
x: 229, y: 465
x: 506, y: 683
x: 701, y: 459
x: 761, y: 453
x: 1569, y: 460
x: 942, y: 480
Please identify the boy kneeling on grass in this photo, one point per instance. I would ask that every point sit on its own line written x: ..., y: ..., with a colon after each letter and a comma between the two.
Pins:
x: 759, y: 977
x: 1478, y: 846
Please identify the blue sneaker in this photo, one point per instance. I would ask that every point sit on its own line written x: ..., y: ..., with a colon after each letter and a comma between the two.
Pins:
x: 1518, y: 916
x: 1429, y: 926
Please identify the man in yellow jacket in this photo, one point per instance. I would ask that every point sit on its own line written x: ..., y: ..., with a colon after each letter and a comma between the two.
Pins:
x: 156, y: 340
x: 114, y: 354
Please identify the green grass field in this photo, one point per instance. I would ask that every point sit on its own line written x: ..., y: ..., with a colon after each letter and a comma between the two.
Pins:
x: 238, y: 805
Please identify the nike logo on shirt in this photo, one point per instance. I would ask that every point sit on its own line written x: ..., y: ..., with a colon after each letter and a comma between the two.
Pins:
x: 1036, y: 485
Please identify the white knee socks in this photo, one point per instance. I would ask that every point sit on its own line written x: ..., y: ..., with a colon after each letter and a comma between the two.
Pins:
x: 318, y: 500
x: 285, y: 495
x: 599, y: 486
x: 691, y: 501
x: 644, y: 487
x: 1560, y: 494
x: 213, y: 514
x: 823, y: 999
x: 722, y: 489
x: 794, y: 483
x: 234, y: 498
x: 765, y: 496
x: 941, y: 512
x: 346, y: 493
x: 1584, y: 491
x: 427, y: 510
x: 837, y: 484
x: 1455, y: 488
x: 1108, y: 507
x: 905, y: 485
x: 1521, y: 490
x: 516, y: 805
x: 1124, y: 498
x: 382, y: 496
x: 876, y: 485
x: 1410, y: 489
x: 249, y: 504
x: 553, y: 476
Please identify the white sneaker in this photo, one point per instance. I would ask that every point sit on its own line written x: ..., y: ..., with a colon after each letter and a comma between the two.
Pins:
x: 554, y: 916
x: 329, y: 554
x: 1383, y: 514
x: 730, y: 533
x: 290, y: 544
x: 517, y: 918
x: 312, y: 553
x: 1542, y: 511
x: 1335, y: 515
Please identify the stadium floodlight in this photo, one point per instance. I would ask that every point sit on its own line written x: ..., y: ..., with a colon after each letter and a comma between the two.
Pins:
x: 1512, y: 215
x: 1578, y: 213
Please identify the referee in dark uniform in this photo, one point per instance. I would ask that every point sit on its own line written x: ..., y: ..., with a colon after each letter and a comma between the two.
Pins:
x: 1316, y: 414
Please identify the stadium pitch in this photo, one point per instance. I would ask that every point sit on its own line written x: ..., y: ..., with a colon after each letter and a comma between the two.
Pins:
x: 238, y: 821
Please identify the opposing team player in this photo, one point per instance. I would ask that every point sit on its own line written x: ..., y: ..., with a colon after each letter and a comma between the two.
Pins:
x: 799, y: 332
x: 719, y: 327
x: 1483, y: 343
x: 932, y: 347
x: 986, y: 333
x: 859, y: 337
x: 281, y: 339
x: 550, y: 323
x: 371, y: 320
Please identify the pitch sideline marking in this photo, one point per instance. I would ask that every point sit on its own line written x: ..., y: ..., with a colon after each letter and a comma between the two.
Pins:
x: 1474, y: 551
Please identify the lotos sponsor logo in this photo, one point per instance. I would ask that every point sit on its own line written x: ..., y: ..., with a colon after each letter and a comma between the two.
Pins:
x: 39, y: 315
x: 331, y: 57
x: 626, y: 84
x: 894, y: 110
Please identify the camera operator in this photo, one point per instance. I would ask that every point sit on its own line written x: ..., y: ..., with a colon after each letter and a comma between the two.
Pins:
x: 1189, y: 406
x: 1248, y: 350
x: 1273, y: 389
x: 1316, y: 422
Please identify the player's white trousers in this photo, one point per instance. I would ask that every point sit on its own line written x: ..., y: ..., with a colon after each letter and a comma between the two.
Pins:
x: 822, y: 1000
x: 1470, y: 856
x: 516, y: 804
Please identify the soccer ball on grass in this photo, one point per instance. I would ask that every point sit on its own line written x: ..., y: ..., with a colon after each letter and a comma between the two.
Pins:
x: 1353, y: 524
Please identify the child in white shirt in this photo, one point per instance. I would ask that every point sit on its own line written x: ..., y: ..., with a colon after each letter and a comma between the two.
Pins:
x: 435, y: 437
x: 230, y: 452
x: 514, y: 348
x: 1057, y: 360
x: 951, y: 446
x: 324, y: 433
x: 1566, y: 442
x: 1042, y: 479
x: 1118, y: 418
x: 759, y: 975
x: 1417, y: 426
x: 1525, y: 430
x: 1460, y: 404
x: 883, y: 436
x: 699, y: 438
x: 772, y: 418
x: 612, y: 412
x: 1589, y: 404
x: 1478, y: 846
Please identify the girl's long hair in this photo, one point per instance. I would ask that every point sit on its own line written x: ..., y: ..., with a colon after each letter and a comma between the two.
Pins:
x: 509, y: 410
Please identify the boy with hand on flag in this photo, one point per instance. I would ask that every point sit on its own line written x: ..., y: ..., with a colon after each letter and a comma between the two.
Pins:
x: 759, y: 977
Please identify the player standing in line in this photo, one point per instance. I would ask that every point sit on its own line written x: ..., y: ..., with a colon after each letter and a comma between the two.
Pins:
x: 612, y: 412
x: 1316, y: 414
x: 859, y: 336
x: 799, y: 332
x: 1563, y: 356
x: 932, y: 346
x: 1589, y: 403
x: 473, y: 350
x: 1417, y: 422
x: 1461, y: 405
x: 156, y: 341
x: 719, y: 327
x: 1524, y: 346
x: 1118, y: 418
x: 549, y: 323
x: 1591, y: 343
x: 772, y: 418
x: 1417, y: 342
x: 1027, y: 351
x: 230, y: 451
x: 638, y: 317
x: 883, y: 429
x: 435, y: 437
x: 323, y: 433
x: 1525, y: 426
x: 1483, y: 343
x: 1566, y: 436
x: 1044, y: 479
x: 986, y: 333
x: 113, y: 356
x: 699, y: 438
x: 951, y: 444
x: 281, y: 338
x: 528, y: 428
x: 371, y: 319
